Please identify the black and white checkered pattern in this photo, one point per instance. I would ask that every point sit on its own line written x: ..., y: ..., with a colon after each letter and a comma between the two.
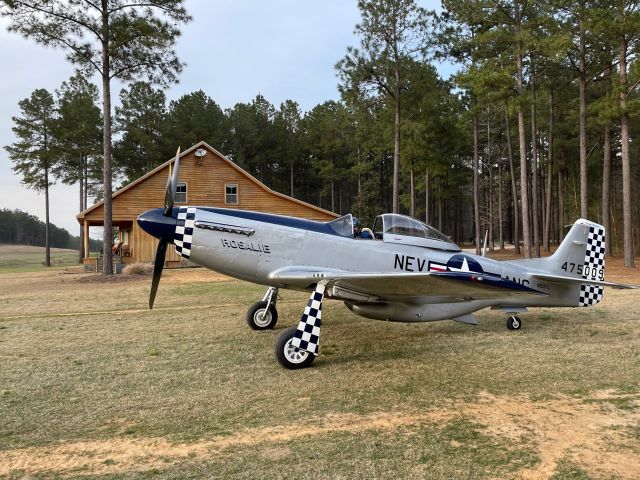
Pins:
x: 307, y: 335
x: 184, y: 231
x: 593, y: 262
x: 590, y: 294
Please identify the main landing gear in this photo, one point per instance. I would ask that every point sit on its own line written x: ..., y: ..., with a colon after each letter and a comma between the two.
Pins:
x: 514, y: 323
x: 295, y: 347
x: 288, y: 355
x: 263, y: 315
x: 298, y: 347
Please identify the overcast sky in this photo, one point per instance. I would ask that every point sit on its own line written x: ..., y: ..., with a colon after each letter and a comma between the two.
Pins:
x: 234, y: 49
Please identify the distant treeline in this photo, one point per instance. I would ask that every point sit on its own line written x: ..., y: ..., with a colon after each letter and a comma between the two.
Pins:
x: 18, y: 227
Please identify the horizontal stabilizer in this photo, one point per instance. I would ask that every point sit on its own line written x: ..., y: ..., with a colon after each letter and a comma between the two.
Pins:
x: 573, y: 280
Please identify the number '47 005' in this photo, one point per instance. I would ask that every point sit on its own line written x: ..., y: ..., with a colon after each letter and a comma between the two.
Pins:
x: 585, y: 270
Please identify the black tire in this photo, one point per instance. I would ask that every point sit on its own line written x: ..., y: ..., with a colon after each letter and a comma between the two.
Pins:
x: 289, y: 356
x: 514, y: 323
x: 259, y: 319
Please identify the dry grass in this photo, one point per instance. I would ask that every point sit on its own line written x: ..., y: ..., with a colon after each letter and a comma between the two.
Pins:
x: 138, y: 268
x: 27, y: 258
x: 93, y: 383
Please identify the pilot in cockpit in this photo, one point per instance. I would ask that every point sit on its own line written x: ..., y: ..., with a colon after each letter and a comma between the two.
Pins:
x: 359, y: 232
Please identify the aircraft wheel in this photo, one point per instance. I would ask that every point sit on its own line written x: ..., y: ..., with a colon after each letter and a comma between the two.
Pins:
x: 514, y: 323
x: 289, y: 356
x: 259, y: 318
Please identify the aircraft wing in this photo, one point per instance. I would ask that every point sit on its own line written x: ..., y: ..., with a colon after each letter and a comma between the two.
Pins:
x: 375, y: 286
x: 564, y: 279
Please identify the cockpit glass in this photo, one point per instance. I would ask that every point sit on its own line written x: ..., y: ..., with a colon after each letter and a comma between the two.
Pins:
x: 343, y: 226
x: 401, y: 225
x: 410, y: 227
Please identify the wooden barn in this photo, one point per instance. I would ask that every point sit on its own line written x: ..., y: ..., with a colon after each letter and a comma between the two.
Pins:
x: 207, y: 178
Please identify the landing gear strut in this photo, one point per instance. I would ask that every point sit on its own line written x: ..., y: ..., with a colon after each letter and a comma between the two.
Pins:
x: 514, y: 323
x: 263, y: 315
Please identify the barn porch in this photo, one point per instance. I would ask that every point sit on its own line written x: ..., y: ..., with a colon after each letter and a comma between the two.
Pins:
x: 122, y: 247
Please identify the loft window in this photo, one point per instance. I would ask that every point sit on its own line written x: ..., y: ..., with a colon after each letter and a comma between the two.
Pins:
x: 181, y: 193
x: 231, y: 194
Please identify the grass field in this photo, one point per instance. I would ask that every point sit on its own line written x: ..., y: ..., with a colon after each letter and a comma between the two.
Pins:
x: 93, y: 384
x: 27, y: 258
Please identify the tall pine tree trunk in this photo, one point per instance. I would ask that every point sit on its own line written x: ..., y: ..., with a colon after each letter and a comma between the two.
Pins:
x: 47, y: 244
x: 629, y: 257
x: 500, y: 221
x: 560, y: 202
x: 547, y: 218
x: 440, y: 206
x: 426, y: 197
x: 606, y: 170
x: 412, y: 208
x: 526, y: 235
x: 514, y: 187
x: 582, y: 81
x: 476, y: 192
x: 333, y: 199
x: 107, y: 236
x: 85, y: 166
x: 81, y: 201
x: 535, y: 194
x: 490, y: 173
x: 396, y: 144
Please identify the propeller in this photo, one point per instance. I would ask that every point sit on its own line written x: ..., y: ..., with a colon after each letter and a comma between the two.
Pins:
x: 169, y: 199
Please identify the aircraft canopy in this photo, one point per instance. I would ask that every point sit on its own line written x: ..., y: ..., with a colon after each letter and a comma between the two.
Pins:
x: 395, y: 228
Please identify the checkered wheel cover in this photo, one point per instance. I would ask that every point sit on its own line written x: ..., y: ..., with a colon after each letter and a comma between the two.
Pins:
x: 593, y: 262
x: 184, y: 231
x: 307, y: 336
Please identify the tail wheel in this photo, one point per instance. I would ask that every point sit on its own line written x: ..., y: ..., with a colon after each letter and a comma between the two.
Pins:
x: 260, y: 318
x: 289, y: 356
x: 514, y: 323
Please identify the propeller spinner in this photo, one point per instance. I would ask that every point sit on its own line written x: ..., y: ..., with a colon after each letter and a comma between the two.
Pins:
x: 161, y: 224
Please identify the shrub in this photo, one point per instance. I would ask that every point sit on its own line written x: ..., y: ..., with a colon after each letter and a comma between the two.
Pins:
x: 138, y: 268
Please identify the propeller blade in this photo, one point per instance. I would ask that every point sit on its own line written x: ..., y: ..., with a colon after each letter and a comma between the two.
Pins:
x: 172, y: 184
x: 157, y: 269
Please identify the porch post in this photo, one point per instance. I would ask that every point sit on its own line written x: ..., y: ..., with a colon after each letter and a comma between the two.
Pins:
x: 85, y: 240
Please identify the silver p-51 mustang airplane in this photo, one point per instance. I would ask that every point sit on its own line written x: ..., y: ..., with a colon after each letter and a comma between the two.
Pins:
x: 409, y: 272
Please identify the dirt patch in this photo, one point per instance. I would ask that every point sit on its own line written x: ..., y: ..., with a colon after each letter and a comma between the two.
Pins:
x: 566, y: 427
x: 589, y: 434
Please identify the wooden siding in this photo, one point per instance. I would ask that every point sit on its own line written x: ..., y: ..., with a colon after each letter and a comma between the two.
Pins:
x: 206, y: 179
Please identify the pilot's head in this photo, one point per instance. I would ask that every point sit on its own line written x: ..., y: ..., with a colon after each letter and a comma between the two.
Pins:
x: 357, y: 227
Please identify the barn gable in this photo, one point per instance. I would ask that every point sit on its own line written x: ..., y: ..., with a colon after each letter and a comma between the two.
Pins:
x: 209, y: 180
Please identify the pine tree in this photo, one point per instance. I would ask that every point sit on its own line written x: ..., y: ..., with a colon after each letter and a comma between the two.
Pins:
x: 392, y: 33
x: 116, y: 39
x: 32, y: 154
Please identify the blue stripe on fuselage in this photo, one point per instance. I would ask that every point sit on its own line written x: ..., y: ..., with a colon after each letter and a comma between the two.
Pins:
x: 301, y: 223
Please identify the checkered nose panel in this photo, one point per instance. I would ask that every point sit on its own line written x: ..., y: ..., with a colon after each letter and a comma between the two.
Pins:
x: 184, y: 231
x: 307, y: 335
x: 593, y: 267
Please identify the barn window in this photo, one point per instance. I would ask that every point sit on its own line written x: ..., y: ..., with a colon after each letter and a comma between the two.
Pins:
x: 181, y: 193
x: 231, y: 194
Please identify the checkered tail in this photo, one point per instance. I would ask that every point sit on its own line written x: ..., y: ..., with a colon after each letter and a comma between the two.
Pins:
x: 184, y: 231
x: 593, y: 267
x: 307, y: 335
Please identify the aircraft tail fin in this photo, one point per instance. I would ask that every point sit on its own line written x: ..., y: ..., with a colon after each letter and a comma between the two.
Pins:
x: 581, y: 256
